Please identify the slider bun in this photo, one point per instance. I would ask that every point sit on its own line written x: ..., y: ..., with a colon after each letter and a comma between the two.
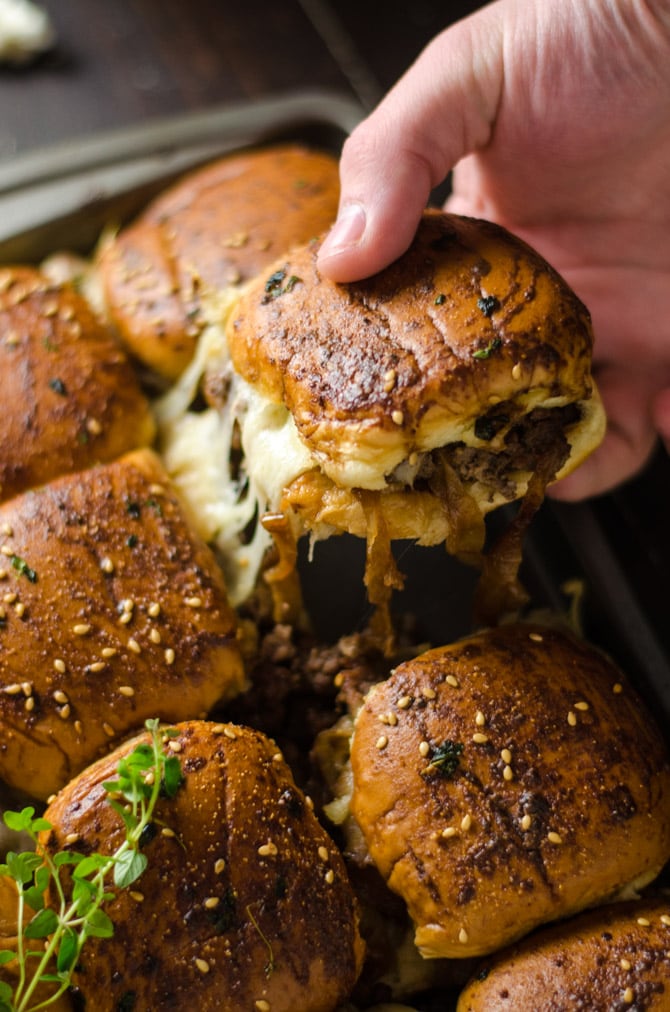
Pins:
x: 578, y: 810
x: 617, y: 957
x: 69, y: 396
x: 212, y: 231
x: 284, y: 930
x: 79, y: 669
x: 457, y: 342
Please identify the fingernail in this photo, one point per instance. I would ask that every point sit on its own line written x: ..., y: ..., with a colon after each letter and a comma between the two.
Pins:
x: 347, y: 230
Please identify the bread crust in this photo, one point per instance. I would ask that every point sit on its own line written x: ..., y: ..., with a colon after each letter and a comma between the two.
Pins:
x: 559, y: 798
x: 470, y: 319
x: 283, y: 928
x: 616, y: 957
x: 70, y: 396
x: 207, y: 234
x: 114, y: 611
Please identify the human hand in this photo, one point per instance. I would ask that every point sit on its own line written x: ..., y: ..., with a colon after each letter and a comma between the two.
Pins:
x: 556, y: 116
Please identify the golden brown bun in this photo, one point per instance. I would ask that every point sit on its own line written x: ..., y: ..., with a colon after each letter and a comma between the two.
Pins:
x: 455, y: 342
x: 69, y: 395
x: 102, y: 577
x: 559, y: 798
x: 212, y: 231
x: 617, y: 957
x: 283, y: 934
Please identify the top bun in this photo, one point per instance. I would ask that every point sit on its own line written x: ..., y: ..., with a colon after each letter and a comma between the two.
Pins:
x: 206, y: 235
x: 508, y: 780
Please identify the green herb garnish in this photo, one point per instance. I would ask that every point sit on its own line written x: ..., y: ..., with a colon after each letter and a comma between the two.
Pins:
x: 274, y: 286
x: 440, y: 299
x: 445, y: 759
x: 22, y: 567
x: 58, y: 386
x: 488, y: 304
x: 76, y: 913
x: 490, y: 347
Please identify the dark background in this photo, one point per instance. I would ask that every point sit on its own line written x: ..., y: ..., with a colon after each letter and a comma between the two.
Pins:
x: 128, y: 62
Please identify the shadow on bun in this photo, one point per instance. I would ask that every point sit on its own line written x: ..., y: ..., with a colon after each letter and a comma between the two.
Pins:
x: 245, y: 902
x: 508, y: 780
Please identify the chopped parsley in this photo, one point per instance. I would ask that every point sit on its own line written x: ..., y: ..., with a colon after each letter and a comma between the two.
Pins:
x: 22, y: 567
x: 440, y: 299
x: 490, y: 347
x: 445, y: 759
x: 58, y: 386
x: 273, y: 285
x: 488, y: 304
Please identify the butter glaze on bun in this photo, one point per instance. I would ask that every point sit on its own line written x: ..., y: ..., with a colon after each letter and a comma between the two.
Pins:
x: 246, y: 905
x: 505, y: 781
x: 70, y: 397
x: 206, y: 235
x: 617, y: 957
x: 415, y: 402
x: 118, y: 613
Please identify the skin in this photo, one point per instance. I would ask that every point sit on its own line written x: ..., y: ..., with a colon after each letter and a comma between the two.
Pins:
x: 555, y: 118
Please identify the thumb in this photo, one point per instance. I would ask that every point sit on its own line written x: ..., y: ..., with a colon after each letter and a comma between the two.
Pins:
x: 440, y: 110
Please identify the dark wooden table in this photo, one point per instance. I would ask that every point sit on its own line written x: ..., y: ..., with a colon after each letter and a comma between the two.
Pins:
x: 128, y: 62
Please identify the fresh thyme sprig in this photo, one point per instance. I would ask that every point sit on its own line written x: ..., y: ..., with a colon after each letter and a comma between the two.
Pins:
x: 73, y: 916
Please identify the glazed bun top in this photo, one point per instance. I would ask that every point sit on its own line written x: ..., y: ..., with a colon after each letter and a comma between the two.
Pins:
x: 245, y: 901
x: 70, y: 397
x: 510, y: 779
x: 203, y: 237
x: 457, y: 341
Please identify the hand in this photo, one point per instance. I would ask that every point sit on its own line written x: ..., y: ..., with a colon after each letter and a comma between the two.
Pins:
x: 556, y: 116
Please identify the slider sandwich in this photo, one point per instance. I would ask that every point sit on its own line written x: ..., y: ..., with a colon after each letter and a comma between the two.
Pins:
x: 409, y: 405
x: 511, y: 779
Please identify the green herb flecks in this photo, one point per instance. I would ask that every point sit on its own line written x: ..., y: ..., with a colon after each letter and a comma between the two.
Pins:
x: 274, y: 286
x: 488, y: 350
x: 488, y: 304
x: 76, y: 914
x: 440, y: 299
x: 445, y: 759
x: 22, y: 567
x: 58, y: 386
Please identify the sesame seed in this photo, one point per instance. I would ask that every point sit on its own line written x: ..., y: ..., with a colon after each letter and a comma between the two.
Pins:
x: 78, y: 726
x: 390, y: 378
x: 96, y: 666
x: 7, y: 530
x: 424, y: 748
x: 155, y: 636
x: 106, y: 565
x: 10, y: 598
x: 463, y: 936
x: 397, y: 417
x: 413, y: 459
x: 211, y: 903
x: 629, y: 996
x: 13, y: 689
x: 382, y: 742
x: 219, y: 866
x: 428, y: 693
x: 262, y: 1005
x: 388, y: 718
x: 64, y: 711
x: 229, y: 733
x: 267, y: 849
x: 154, y: 609
x: 330, y: 876
x: 277, y: 757
x: 323, y: 853
x: 643, y: 922
x: 174, y: 746
x: 665, y: 919
x: 526, y: 822
x: 516, y: 371
x: 581, y: 705
x: 309, y: 802
x: 452, y: 680
x: 81, y: 629
x: 448, y: 832
x: 466, y: 822
x: 625, y: 964
x: 137, y: 896
x: 480, y: 719
x: 59, y: 666
x: 218, y: 728
x: 126, y: 690
x: 29, y: 704
x: 166, y: 831
x: 108, y: 729
x: 202, y: 965
x: 554, y: 837
x: 125, y: 617
x: 572, y: 718
x: 536, y: 637
x: 506, y: 755
x: 404, y: 702
x: 20, y: 608
x: 169, y: 656
x: 93, y: 426
x: 479, y: 738
x: 194, y: 602
x: 6, y: 550
x: 134, y: 646
x: 508, y: 773
x: 617, y: 688
x: 27, y: 688
x: 108, y: 651
x: 72, y: 837
x: 60, y: 696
